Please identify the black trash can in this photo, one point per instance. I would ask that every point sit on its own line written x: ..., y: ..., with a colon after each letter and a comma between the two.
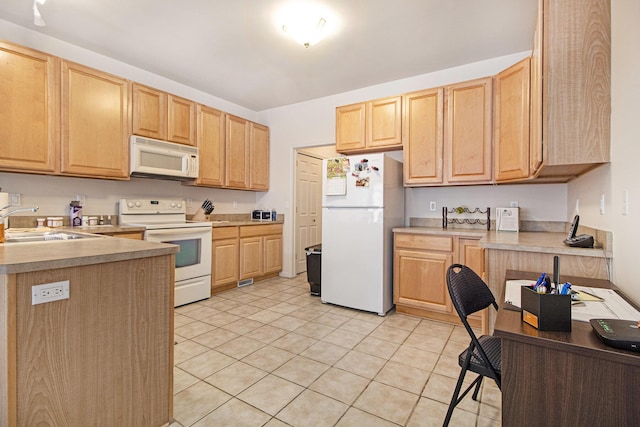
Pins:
x: 314, y: 272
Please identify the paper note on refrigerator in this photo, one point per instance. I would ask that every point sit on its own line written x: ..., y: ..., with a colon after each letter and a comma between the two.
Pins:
x: 336, y: 184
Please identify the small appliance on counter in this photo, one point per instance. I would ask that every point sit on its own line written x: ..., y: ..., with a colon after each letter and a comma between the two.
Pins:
x: 263, y: 215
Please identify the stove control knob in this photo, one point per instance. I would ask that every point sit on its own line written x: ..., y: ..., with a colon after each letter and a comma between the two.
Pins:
x: 138, y: 204
x: 179, y: 204
x: 130, y: 204
x: 173, y: 204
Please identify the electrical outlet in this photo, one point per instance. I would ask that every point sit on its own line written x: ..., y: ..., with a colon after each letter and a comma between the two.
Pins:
x: 189, y: 202
x: 625, y: 203
x: 15, y: 199
x: 49, y: 292
x: 577, y: 206
x: 432, y: 206
x: 513, y: 204
x: 602, y: 204
x: 235, y: 204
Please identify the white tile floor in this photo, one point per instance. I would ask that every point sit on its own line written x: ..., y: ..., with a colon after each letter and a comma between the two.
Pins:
x: 270, y: 354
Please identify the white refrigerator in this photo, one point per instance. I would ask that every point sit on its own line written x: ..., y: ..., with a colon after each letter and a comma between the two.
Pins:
x: 362, y: 201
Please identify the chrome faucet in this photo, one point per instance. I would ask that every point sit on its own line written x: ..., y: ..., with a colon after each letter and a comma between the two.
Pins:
x: 6, y: 214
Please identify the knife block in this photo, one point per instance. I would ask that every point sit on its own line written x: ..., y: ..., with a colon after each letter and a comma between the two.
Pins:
x: 199, y: 215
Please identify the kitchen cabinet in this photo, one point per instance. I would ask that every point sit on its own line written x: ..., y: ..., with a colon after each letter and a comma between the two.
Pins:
x: 468, y: 132
x: 259, y: 157
x: 161, y: 115
x: 448, y: 136
x: 371, y: 126
x: 28, y: 110
x: 104, y: 355
x: 423, y: 135
x: 247, y: 154
x: 511, y: 123
x: 420, y: 263
x: 94, y: 117
x: 570, y: 112
x: 211, y: 147
x: 237, y: 144
x: 260, y: 251
x: 225, y: 257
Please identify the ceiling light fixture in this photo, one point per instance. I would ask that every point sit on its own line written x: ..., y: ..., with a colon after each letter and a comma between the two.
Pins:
x: 304, y: 23
x: 37, y: 17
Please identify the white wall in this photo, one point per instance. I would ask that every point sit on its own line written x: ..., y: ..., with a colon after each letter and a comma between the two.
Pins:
x: 312, y: 123
x: 620, y: 175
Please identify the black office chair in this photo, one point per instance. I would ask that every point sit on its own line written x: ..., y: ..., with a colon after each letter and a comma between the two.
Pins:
x: 470, y: 294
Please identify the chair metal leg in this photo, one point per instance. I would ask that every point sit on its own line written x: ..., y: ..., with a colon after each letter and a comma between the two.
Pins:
x: 454, y: 398
x: 475, y: 392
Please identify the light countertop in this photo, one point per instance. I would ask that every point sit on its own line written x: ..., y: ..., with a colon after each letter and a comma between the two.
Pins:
x: 525, y: 241
x: 46, y: 255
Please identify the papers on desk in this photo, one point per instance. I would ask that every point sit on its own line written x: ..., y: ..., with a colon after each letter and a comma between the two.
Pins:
x: 607, y: 304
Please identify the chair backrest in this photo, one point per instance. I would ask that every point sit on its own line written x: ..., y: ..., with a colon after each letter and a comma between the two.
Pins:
x: 468, y: 291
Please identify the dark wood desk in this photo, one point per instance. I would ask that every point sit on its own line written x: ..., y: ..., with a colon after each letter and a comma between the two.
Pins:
x: 565, y: 378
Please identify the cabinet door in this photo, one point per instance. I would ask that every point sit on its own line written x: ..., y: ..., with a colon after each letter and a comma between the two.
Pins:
x: 384, y: 124
x: 211, y: 146
x: 237, y: 169
x: 535, y: 140
x: 350, y: 128
x: 149, y: 112
x: 471, y: 255
x: 251, y: 256
x: 224, y: 262
x: 272, y: 254
x: 468, y: 133
x: 511, y: 122
x: 94, y: 123
x: 259, y: 157
x: 421, y: 279
x: 28, y: 110
x: 423, y: 136
x: 181, y: 120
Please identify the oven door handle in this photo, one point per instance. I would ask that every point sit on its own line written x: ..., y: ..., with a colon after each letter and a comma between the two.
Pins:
x: 177, y: 232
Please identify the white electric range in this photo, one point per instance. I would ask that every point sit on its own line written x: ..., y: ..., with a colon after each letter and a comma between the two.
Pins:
x: 165, y: 221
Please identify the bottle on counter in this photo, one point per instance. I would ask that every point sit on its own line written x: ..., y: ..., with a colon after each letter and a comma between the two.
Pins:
x: 101, y: 220
x: 75, y: 213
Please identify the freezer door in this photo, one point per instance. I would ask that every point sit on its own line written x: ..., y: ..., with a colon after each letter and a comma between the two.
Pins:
x: 364, y: 186
x: 354, y: 271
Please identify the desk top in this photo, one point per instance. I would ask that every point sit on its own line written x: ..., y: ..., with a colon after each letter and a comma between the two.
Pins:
x: 581, y: 339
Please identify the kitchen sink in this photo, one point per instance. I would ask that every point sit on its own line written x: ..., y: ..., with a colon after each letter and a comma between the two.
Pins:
x: 44, y: 236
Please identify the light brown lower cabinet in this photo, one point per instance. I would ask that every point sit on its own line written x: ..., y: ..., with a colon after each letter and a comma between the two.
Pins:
x: 103, y: 356
x: 245, y: 252
x: 420, y: 264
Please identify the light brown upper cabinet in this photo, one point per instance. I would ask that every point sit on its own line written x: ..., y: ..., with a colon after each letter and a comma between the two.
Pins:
x: 238, y: 132
x: 259, y: 157
x: 423, y: 134
x: 28, y: 110
x: 94, y: 122
x: 468, y: 132
x: 447, y: 135
x: 571, y: 111
x: 211, y: 146
x: 164, y: 116
x: 511, y: 123
x: 371, y: 126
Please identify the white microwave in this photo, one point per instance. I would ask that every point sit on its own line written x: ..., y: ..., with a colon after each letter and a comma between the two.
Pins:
x: 155, y: 158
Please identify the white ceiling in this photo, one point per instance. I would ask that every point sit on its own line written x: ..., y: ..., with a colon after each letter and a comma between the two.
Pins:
x: 232, y: 49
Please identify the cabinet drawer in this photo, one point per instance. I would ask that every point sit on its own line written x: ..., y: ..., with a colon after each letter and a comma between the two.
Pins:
x: 423, y: 241
x: 260, y: 230
x: 219, y: 233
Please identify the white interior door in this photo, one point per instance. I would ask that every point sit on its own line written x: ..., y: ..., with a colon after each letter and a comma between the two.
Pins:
x: 308, y: 206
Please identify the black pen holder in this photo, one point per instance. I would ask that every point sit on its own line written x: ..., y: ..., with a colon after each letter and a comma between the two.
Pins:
x: 546, y: 312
